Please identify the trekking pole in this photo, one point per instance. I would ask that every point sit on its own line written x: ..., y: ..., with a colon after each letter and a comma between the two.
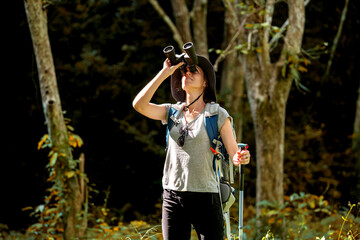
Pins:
x: 242, y: 146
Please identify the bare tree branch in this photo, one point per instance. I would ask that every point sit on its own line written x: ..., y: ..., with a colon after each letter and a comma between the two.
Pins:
x: 294, y: 34
x: 232, y: 12
x: 269, y: 11
x: 282, y: 29
x: 336, y: 40
x: 240, y: 26
x: 167, y: 20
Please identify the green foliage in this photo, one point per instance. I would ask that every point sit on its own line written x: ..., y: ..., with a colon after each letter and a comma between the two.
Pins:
x: 269, y: 236
x: 134, y: 230
x: 292, y: 67
x: 49, y: 214
x: 305, y: 216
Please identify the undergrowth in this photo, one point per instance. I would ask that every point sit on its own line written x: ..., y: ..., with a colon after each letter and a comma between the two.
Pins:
x: 302, y: 216
x: 305, y: 217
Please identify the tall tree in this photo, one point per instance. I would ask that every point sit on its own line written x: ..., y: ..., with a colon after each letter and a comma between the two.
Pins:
x: 268, y: 85
x: 57, y: 130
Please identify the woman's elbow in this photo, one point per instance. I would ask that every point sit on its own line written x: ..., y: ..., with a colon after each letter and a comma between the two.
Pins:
x: 136, y: 105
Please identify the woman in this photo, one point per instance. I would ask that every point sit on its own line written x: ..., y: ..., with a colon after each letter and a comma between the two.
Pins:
x: 190, y: 196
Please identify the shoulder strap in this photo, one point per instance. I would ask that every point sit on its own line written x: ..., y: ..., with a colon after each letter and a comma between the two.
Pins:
x: 172, y: 118
x: 211, y: 119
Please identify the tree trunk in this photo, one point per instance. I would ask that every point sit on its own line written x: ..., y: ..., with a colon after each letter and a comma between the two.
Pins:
x: 268, y: 111
x: 37, y: 20
x: 198, y: 18
x: 356, y: 138
x: 182, y: 19
x: 268, y: 94
x: 356, y: 144
x: 199, y: 14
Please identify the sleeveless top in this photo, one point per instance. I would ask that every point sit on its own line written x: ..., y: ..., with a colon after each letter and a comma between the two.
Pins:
x: 190, y: 168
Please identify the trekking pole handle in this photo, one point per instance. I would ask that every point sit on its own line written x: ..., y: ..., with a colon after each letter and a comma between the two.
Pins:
x: 242, y: 146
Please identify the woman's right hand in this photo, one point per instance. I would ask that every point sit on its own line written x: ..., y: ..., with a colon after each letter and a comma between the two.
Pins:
x: 168, y: 68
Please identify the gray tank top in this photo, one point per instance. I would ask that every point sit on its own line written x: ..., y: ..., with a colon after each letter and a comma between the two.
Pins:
x: 190, y: 168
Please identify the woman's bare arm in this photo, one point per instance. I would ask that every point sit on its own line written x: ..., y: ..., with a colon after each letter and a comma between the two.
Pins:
x: 142, y: 102
x: 226, y: 132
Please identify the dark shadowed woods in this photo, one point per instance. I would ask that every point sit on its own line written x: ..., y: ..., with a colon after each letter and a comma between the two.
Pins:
x: 104, y: 53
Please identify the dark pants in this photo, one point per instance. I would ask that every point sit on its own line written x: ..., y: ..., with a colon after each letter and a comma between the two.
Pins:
x: 201, y: 210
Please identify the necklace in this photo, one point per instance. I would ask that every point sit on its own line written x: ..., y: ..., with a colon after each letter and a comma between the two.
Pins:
x: 186, y: 108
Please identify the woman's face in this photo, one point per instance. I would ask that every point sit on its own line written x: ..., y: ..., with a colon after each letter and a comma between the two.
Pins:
x: 193, y: 81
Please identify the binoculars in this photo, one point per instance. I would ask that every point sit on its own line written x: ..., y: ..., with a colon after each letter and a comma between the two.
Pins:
x: 190, y: 62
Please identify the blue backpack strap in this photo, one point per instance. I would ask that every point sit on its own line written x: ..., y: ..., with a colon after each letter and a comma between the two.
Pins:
x: 174, y: 111
x: 211, y: 124
x: 211, y: 120
x: 212, y: 128
x: 170, y: 123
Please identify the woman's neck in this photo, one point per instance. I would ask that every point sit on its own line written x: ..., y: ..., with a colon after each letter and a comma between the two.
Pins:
x: 194, y: 102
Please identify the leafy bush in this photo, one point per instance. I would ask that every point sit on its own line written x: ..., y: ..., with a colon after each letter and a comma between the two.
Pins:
x: 305, y: 216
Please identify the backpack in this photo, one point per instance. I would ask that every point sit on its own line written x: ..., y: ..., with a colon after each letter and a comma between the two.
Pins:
x: 223, y: 167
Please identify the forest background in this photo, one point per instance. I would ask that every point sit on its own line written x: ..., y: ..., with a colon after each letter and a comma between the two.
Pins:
x: 105, y: 52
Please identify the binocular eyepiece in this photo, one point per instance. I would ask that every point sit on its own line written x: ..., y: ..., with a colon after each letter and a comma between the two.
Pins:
x: 190, y: 62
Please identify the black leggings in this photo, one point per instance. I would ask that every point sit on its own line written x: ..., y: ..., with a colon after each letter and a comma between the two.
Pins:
x: 201, y: 210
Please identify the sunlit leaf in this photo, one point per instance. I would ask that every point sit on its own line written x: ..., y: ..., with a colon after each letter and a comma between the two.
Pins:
x: 51, y: 210
x: 306, y: 61
x: 70, y: 128
x: 271, y: 220
x: 312, y: 204
x: 41, y: 142
x: 53, y: 159
x: 69, y: 174
x: 302, y: 69
x: 238, y: 47
x: 275, y: 29
x: 27, y: 208
x: 40, y: 208
x: 244, y: 51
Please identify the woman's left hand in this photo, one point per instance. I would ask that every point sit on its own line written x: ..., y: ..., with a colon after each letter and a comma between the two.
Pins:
x: 241, y: 157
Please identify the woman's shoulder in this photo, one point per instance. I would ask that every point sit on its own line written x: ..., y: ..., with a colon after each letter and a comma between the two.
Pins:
x: 215, y: 108
x: 171, y: 109
x: 223, y: 110
x: 177, y: 105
